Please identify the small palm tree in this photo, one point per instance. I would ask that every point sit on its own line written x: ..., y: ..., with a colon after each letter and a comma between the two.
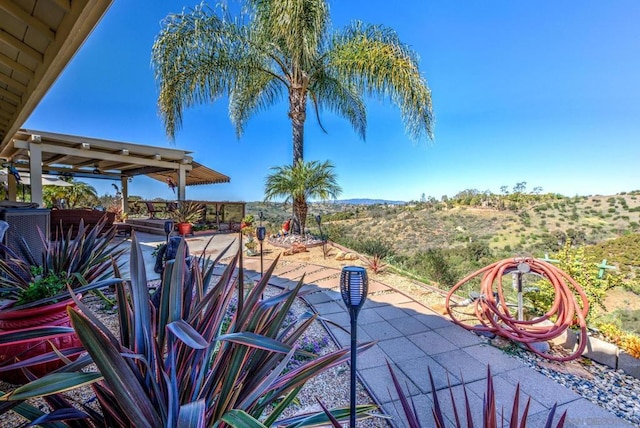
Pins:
x: 285, y: 49
x: 302, y: 182
x: 79, y: 194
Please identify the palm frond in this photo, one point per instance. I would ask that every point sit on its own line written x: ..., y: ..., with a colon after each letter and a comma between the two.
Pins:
x: 373, y: 58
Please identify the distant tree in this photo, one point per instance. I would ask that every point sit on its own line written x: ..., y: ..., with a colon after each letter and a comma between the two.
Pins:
x: 504, y: 190
x: 299, y: 183
x: 537, y: 190
x: 520, y: 187
x: 423, y: 198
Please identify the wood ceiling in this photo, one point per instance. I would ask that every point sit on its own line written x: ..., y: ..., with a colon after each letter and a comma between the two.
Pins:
x: 37, y: 40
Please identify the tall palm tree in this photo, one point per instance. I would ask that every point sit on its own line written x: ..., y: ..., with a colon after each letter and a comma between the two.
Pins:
x: 283, y: 48
x: 299, y: 183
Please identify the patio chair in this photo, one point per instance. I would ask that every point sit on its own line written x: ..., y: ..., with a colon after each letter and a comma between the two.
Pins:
x: 171, y: 206
x: 152, y: 209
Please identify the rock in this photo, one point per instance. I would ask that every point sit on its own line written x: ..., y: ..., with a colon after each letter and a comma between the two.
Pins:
x: 350, y: 256
x: 483, y: 333
x: 295, y: 249
x: 501, y: 342
x: 542, y: 347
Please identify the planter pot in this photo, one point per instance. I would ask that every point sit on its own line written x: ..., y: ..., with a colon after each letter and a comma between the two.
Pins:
x: 185, y: 229
x: 23, y: 319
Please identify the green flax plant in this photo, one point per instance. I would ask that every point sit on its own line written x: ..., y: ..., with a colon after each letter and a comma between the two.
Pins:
x: 182, y: 362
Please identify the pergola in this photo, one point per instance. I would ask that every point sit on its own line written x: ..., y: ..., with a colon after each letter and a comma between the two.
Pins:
x: 37, y: 40
x: 41, y: 152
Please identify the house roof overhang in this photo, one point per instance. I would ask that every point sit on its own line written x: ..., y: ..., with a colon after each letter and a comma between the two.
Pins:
x: 38, y: 38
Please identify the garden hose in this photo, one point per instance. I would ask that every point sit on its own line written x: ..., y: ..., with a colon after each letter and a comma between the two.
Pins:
x: 495, y: 316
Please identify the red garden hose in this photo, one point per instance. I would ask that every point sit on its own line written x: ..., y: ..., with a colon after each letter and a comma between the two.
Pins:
x: 495, y: 316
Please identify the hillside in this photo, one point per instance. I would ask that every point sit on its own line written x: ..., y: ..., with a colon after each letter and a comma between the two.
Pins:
x: 532, y: 225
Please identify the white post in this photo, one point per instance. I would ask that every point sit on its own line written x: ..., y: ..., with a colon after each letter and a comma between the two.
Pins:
x: 35, y: 169
x: 124, y: 187
x: 182, y: 180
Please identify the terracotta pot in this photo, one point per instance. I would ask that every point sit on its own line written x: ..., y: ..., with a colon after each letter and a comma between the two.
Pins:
x: 184, y: 229
x: 23, y: 319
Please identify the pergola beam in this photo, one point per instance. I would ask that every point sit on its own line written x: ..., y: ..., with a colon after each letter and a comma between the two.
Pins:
x: 96, y: 155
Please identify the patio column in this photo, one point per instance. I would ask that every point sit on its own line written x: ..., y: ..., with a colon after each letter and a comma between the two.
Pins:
x: 124, y: 186
x: 12, y: 186
x: 35, y: 168
x: 182, y: 180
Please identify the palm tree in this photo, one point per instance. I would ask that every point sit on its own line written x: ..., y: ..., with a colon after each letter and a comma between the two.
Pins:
x: 299, y: 183
x: 80, y: 194
x: 284, y: 48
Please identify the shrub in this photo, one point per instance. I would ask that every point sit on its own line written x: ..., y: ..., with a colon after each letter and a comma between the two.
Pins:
x: 630, y: 343
x: 433, y: 263
x: 376, y: 247
x: 584, y: 270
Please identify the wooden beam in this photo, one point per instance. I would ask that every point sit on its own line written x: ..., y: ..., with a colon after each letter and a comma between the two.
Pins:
x: 24, y: 16
x: 97, y: 155
x: 55, y: 159
x: 10, y: 95
x: 19, y: 45
x: 5, y: 115
x: 7, y: 107
x: 63, y: 4
x: 12, y: 83
x: 16, y: 66
x: 85, y: 163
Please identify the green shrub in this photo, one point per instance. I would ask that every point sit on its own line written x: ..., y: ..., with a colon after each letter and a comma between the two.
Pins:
x: 434, y: 265
x: 373, y: 247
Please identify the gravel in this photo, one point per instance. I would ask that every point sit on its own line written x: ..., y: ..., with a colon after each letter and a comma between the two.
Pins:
x: 613, y: 390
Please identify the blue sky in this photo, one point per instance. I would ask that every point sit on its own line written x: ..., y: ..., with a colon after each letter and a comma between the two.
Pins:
x: 544, y: 92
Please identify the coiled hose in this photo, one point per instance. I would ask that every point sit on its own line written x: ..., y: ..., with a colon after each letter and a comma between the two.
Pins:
x: 494, y: 314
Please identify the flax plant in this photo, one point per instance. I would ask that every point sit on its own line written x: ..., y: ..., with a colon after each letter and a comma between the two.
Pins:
x: 183, y: 363
x: 79, y: 260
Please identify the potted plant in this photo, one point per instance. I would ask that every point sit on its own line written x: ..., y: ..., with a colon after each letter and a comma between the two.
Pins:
x: 185, y: 214
x: 251, y: 246
x: 35, y: 296
x: 247, y: 221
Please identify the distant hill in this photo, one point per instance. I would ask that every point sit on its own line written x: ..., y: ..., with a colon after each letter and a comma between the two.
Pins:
x: 365, y: 201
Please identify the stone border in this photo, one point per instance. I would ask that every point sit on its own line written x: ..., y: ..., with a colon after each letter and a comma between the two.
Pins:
x: 602, y: 352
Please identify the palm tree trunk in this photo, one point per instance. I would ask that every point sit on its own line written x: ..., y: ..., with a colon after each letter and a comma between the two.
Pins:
x: 298, y: 114
x: 300, y: 209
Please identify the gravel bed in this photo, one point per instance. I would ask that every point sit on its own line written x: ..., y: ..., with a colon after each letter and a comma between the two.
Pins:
x: 613, y: 390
